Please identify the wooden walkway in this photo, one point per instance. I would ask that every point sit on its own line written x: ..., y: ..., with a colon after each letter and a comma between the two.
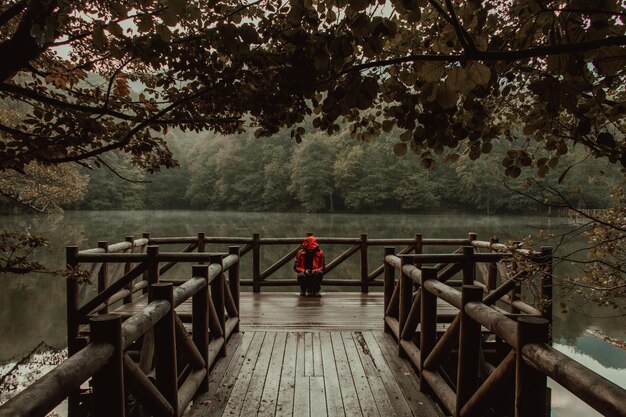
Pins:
x: 316, y: 374
x: 305, y: 356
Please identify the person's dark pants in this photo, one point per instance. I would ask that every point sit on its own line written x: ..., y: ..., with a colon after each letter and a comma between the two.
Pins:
x: 310, y: 283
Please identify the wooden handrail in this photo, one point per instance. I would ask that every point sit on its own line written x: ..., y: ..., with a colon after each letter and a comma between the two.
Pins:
x: 280, y: 263
x: 43, y: 395
x: 601, y: 394
x: 116, y: 247
x: 254, y: 244
x: 190, y: 248
x: 111, y: 290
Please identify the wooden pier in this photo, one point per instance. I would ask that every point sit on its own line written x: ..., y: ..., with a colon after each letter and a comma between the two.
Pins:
x: 452, y: 333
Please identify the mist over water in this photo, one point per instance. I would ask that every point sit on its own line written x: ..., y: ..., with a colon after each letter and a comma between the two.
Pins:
x: 32, y: 308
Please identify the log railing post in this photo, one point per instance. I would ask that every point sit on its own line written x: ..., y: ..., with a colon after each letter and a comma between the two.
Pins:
x: 103, y: 276
x: 406, y: 298
x: 419, y: 249
x: 428, y: 329
x: 469, y: 267
x: 165, y: 345
x: 71, y: 282
x: 200, y: 321
x: 218, y: 297
x: 145, y: 235
x: 469, y: 349
x: 492, y: 269
x: 546, y: 287
x: 201, y: 244
x: 256, y: 262
x: 127, y: 267
x: 516, y: 290
x: 108, y: 382
x: 389, y: 283
x: 72, y: 299
x: 364, y: 280
x: 233, y: 280
x: 153, y: 264
x: 530, y: 384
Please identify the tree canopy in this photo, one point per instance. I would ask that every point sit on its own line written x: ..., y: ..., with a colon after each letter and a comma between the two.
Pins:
x: 451, y: 75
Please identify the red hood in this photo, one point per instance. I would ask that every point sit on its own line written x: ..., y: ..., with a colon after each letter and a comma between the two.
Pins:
x: 309, y: 243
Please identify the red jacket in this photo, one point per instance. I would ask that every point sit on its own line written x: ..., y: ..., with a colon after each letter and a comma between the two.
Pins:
x: 310, y: 244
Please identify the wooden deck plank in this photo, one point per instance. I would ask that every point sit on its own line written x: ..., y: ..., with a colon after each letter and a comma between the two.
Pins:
x: 238, y: 342
x: 269, y: 398
x: 318, y: 368
x: 300, y: 354
x: 398, y: 401
x: 421, y: 406
x: 308, y: 354
x: 284, y: 406
x: 346, y: 383
x: 334, y: 401
x: 362, y: 386
x: 240, y: 388
x: 317, y: 396
x: 362, y: 375
x: 373, y: 375
x: 214, y: 401
x: 301, y: 403
x: 253, y: 396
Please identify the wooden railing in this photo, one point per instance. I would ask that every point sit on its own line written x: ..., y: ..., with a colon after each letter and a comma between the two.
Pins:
x: 484, y: 349
x: 150, y: 354
x: 259, y: 277
x: 465, y: 358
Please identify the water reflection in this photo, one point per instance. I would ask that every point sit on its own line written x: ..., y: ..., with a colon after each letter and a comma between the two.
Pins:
x: 607, y: 360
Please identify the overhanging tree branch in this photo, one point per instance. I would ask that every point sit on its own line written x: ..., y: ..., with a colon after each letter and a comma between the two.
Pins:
x: 12, y: 11
x: 22, y: 92
x: 506, y: 56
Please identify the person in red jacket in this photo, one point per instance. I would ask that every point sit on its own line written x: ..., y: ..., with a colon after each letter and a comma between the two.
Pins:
x: 310, y: 267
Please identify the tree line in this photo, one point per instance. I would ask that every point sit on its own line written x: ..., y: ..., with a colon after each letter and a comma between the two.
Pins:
x: 337, y: 173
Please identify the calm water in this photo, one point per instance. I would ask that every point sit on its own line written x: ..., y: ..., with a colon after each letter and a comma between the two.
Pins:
x: 32, y: 308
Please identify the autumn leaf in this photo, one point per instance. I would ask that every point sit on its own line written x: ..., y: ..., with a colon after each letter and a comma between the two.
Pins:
x: 400, y: 149
x: 479, y: 73
x: 98, y: 38
x: 457, y: 80
x: 446, y: 98
x: 431, y: 71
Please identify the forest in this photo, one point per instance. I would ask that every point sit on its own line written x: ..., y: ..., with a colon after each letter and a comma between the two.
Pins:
x: 335, y: 173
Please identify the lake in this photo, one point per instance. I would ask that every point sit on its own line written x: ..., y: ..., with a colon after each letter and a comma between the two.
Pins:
x: 32, y: 308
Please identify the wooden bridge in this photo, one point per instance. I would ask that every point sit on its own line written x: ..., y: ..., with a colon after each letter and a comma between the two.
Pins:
x: 464, y: 333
